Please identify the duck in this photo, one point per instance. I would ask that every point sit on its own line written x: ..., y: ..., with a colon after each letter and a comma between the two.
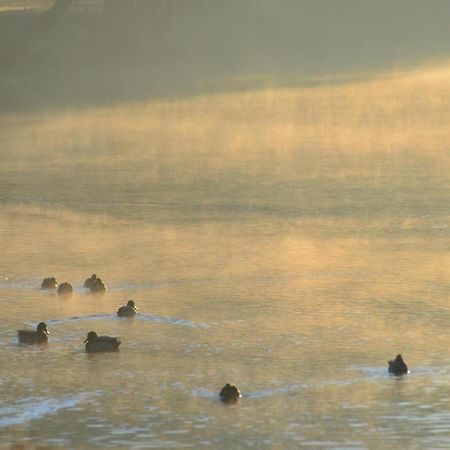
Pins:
x: 95, y: 284
x: 398, y: 366
x: 65, y: 289
x: 49, y: 283
x: 129, y: 310
x: 98, y: 287
x: 38, y: 336
x: 90, y: 281
x: 229, y: 394
x: 96, y: 343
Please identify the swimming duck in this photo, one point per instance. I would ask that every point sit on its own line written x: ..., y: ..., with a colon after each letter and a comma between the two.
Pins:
x: 229, y: 394
x: 127, y: 311
x: 49, y: 283
x: 398, y: 366
x: 96, y: 343
x: 90, y: 281
x: 38, y: 336
x: 65, y: 289
x: 98, y: 287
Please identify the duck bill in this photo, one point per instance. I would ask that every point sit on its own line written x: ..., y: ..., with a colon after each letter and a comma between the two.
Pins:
x: 84, y: 342
x: 46, y: 332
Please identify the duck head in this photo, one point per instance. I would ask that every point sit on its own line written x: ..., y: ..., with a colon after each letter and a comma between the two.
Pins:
x: 90, y: 336
x: 42, y: 328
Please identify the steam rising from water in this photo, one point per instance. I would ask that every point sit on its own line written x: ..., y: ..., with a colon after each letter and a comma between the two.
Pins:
x: 289, y: 241
x: 401, y: 112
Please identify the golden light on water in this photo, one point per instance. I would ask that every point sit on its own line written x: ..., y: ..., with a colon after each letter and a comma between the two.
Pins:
x: 305, y: 227
x: 405, y: 112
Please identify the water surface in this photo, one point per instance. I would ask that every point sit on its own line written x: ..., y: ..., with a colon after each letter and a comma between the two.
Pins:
x: 287, y: 241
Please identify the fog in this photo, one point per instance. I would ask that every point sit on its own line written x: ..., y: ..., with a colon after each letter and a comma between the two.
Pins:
x: 92, y: 51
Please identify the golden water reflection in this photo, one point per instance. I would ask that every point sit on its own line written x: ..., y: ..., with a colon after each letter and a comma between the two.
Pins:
x: 288, y: 241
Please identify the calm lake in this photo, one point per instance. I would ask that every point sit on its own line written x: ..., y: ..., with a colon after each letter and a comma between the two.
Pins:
x: 289, y: 241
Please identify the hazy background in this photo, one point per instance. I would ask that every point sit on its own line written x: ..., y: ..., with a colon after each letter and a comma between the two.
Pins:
x: 103, y: 51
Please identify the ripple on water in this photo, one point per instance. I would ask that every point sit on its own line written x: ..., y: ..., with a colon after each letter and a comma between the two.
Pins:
x: 143, y: 317
x: 171, y: 321
x: 33, y: 408
x: 282, y: 390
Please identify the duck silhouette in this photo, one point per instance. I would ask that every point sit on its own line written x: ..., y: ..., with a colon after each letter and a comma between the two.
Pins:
x: 398, y: 366
x: 98, y: 287
x: 38, y: 336
x: 129, y: 310
x: 95, y: 284
x: 96, y: 343
x: 90, y: 281
x: 49, y: 283
x: 229, y: 394
x: 65, y: 289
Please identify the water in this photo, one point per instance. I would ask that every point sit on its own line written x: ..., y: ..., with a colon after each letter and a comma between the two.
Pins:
x: 286, y: 241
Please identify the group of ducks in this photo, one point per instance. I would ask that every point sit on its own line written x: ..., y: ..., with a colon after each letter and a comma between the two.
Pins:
x: 95, y: 343
x: 93, y: 283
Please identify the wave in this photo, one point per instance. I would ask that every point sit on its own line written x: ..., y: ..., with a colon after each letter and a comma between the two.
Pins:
x: 144, y: 317
x: 37, y: 407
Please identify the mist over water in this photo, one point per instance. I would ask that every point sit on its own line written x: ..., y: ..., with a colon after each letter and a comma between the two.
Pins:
x: 97, y: 52
x: 273, y: 239
x: 288, y: 238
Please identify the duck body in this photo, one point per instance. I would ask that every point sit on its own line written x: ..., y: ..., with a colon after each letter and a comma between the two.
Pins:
x: 65, y: 289
x: 38, y: 336
x: 95, y: 284
x: 229, y: 394
x: 96, y: 344
x: 129, y: 310
x: 398, y: 366
x: 98, y: 287
x: 90, y: 281
x: 49, y: 283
